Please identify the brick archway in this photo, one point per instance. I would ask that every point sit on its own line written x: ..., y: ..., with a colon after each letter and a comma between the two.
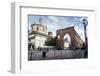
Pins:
x: 67, y: 41
x: 76, y: 41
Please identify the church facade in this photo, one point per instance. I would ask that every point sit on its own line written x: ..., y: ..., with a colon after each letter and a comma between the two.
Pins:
x: 37, y: 36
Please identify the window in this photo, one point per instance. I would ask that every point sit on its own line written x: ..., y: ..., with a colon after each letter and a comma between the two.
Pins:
x: 37, y: 28
x: 43, y: 29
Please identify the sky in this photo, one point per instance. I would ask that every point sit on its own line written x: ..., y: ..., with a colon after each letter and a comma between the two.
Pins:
x: 54, y: 23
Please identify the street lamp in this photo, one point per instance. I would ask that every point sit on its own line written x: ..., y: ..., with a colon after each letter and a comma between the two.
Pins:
x: 85, y: 23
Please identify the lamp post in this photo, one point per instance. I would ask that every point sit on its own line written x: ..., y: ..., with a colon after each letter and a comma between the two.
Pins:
x: 85, y: 22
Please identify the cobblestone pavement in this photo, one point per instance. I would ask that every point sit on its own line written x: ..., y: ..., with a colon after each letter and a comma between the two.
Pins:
x: 56, y: 54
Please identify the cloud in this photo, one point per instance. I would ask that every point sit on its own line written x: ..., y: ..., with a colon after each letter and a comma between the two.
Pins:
x: 52, y: 27
x: 57, y: 21
x: 80, y: 31
x: 53, y: 18
x: 72, y: 25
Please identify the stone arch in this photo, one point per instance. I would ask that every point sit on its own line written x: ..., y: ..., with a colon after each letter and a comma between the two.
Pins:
x: 75, y: 40
x: 67, y: 41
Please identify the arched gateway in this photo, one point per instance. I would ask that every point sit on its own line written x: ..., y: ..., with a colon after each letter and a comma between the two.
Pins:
x: 68, y: 38
x: 67, y: 41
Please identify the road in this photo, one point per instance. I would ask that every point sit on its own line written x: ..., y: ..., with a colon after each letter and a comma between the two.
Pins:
x: 56, y: 54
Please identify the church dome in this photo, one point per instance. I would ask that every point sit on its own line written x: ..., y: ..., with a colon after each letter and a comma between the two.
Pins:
x: 39, y: 28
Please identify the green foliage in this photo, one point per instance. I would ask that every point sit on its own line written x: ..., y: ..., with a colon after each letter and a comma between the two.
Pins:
x: 50, y: 42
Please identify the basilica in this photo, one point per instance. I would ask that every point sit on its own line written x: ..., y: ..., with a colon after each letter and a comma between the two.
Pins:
x: 37, y: 36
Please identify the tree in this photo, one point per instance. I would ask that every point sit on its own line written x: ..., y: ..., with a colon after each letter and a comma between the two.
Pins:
x: 50, y: 41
